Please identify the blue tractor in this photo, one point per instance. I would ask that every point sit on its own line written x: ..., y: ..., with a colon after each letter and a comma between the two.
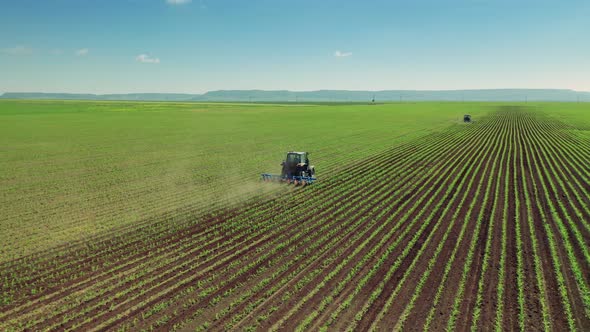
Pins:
x: 296, y: 169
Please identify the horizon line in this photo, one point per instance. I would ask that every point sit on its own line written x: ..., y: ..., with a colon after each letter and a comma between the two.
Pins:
x: 299, y: 91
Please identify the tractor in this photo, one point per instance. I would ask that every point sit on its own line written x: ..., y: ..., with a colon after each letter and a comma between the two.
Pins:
x: 295, y: 169
x: 467, y: 118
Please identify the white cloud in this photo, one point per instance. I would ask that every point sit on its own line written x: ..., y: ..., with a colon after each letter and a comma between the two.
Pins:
x: 144, y: 58
x: 17, y: 50
x: 82, y: 52
x: 340, y: 54
x: 178, y: 2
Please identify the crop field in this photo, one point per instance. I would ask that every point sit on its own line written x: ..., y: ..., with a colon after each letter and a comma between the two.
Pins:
x: 151, y: 216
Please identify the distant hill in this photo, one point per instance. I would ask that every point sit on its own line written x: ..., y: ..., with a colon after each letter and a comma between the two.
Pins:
x: 77, y: 96
x: 328, y: 95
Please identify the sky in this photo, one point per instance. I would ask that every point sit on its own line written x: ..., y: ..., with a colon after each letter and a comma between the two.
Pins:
x: 194, y: 46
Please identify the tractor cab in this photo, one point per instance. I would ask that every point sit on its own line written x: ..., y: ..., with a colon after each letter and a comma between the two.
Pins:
x: 297, y: 164
x: 295, y: 158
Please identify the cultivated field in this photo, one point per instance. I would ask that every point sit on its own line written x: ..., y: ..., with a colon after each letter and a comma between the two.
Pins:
x: 150, y: 216
x: 73, y: 169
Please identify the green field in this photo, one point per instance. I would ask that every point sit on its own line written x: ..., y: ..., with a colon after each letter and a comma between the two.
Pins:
x: 152, y: 216
x: 71, y: 169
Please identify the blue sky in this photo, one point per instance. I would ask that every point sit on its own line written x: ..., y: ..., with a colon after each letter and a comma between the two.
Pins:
x: 120, y: 46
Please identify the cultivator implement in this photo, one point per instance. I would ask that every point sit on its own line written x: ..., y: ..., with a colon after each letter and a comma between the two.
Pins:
x: 302, y: 180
